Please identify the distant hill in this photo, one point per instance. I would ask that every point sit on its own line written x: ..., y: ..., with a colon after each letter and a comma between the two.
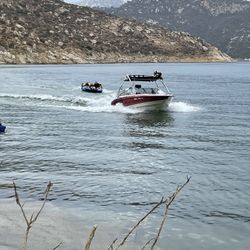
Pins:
x: 223, y: 23
x: 51, y: 31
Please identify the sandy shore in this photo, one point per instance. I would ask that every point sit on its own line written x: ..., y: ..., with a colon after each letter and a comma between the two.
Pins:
x: 54, y: 225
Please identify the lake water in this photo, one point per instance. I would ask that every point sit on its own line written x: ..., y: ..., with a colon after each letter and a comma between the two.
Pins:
x: 110, y: 164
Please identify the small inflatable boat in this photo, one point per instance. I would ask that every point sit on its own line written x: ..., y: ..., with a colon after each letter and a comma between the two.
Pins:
x: 91, y: 87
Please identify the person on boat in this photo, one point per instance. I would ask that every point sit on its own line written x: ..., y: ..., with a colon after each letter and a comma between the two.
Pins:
x: 86, y: 84
x: 97, y: 85
x: 157, y: 74
x: 138, y: 88
x: 91, y: 86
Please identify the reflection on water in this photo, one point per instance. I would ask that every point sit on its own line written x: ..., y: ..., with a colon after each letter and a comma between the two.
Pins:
x: 150, y: 119
x: 147, y: 129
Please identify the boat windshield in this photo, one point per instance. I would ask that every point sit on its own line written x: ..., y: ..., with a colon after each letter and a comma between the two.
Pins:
x: 139, y: 90
x: 142, y: 89
x: 143, y: 84
x: 146, y: 90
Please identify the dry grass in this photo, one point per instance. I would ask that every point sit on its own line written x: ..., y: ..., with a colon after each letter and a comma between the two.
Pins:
x: 165, y: 202
x: 30, y: 221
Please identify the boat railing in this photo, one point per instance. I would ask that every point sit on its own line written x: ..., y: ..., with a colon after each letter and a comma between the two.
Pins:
x: 144, y: 78
x: 135, y: 88
x: 165, y: 86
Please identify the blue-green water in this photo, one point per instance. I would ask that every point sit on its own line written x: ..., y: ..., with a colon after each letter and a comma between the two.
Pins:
x: 120, y: 161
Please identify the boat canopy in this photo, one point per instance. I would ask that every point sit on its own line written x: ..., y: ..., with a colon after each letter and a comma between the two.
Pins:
x: 144, y: 78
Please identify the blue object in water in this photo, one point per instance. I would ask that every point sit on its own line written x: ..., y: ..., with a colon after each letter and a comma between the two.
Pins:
x: 2, y: 128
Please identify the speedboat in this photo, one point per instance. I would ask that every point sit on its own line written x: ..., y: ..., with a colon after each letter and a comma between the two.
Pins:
x: 95, y: 87
x: 148, y: 91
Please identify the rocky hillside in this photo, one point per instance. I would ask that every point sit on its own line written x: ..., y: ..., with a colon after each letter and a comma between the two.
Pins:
x: 223, y: 23
x: 98, y: 3
x: 51, y: 31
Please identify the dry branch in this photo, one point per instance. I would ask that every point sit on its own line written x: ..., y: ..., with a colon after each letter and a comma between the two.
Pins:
x: 167, y: 201
x: 91, y: 236
x: 58, y: 245
x: 33, y: 218
x: 111, y: 247
x: 147, y: 243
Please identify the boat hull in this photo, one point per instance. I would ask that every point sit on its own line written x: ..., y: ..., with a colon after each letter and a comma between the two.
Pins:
x: 91, y: 90
x: 148, y: 101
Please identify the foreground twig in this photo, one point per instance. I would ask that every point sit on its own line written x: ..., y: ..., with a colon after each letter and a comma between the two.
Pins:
x: 91, y: 236
x: 167, y: 201
x: 147, y: 243
x: 138, y: 223
x: 33, y: 218
x: 111, y: 247
x: 58, y: 245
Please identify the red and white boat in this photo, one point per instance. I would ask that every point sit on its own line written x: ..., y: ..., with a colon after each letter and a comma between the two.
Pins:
x: 143, y: 91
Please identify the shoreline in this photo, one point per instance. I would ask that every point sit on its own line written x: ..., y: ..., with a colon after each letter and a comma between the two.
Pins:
x: 72, y: 226
x: 57, y: 224
x: 75, y: 57
x: 127, y: 62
